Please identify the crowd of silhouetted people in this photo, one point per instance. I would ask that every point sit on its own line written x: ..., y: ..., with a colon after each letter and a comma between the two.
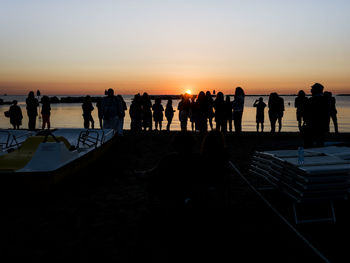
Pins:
x: 199, y: 112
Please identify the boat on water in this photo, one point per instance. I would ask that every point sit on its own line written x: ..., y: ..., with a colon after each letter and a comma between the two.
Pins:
x: 36, y: 161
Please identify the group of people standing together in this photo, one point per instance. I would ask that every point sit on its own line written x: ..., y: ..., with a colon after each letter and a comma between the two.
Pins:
x: 111, y: 112
x: 199, y: 110
x: 32, y: 105
x: 202, y: 110
x: 313, y: 114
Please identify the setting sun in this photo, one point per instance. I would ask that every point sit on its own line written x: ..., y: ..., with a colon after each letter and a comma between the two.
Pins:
x: 188, y: 92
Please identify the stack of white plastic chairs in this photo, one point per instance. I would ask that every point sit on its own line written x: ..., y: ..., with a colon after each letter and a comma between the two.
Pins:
x: 306, y: 175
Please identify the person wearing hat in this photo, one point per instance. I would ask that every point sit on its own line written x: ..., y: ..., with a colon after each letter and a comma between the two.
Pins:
x: 16, y: 116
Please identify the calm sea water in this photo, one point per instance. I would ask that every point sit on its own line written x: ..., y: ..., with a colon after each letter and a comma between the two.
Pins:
x: 70, y: 115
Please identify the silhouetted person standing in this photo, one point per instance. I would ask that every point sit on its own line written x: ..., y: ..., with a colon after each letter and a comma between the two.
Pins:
x: 46, y: 111
x: 184, y: 108
x: 299, y: 104
x: 280, y: 112
x: 238, y: 106
x: 219, y: 105
x: 202, y: 107
x: 158, y: 113
x: 112, y: 110
x: 16, y: 116
x: 169, y: 113
x: 136, y: 113
x: 316, y: 117
x: 87, y: 109
x: 147, y: 112
x: 210, y: 110
x: 332, y: 111
x: 32, y: 110
x: 228, y: 113
x: 260, y: 115
x: 121, y: 120
x: 276, y: 109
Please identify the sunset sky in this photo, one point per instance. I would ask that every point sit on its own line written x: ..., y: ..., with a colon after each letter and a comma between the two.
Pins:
x: 168, y: 47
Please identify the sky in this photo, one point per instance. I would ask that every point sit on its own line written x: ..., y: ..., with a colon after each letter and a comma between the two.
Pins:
x: 168, y: 47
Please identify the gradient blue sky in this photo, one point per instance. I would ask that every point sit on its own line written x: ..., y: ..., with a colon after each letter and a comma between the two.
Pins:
x: 167, y: 47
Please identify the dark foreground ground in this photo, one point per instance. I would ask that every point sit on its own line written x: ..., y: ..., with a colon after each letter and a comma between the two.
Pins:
x: 104, y: 214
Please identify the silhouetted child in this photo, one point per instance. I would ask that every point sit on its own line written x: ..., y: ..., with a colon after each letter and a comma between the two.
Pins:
x: 16, y: 116
x: 46, y: 111
x: 300, y: 104
x: 260, y: 116
x: 87, y: 109
x: 169, y: 113
x: 158, y: 113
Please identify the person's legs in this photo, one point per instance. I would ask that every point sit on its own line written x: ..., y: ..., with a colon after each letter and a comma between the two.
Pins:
x: 31, y: 123
x: 86, y: 122
x: 279, y: 124
x: 211, y: 123
x: 168, y: 125
x: 92, y: 122
x: 335, y: 122
x: 44, y: 121
x: 273, y: 123
x: 238, y: 121
x: 230, y: 124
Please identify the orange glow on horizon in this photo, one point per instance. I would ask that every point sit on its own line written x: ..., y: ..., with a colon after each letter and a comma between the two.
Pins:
x: 169, y: 86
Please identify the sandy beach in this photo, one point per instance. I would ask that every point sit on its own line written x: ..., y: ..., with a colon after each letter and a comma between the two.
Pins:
x: 104, y: 214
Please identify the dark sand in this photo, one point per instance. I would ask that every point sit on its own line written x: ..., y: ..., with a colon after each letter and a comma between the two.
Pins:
x: 103, y: 214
